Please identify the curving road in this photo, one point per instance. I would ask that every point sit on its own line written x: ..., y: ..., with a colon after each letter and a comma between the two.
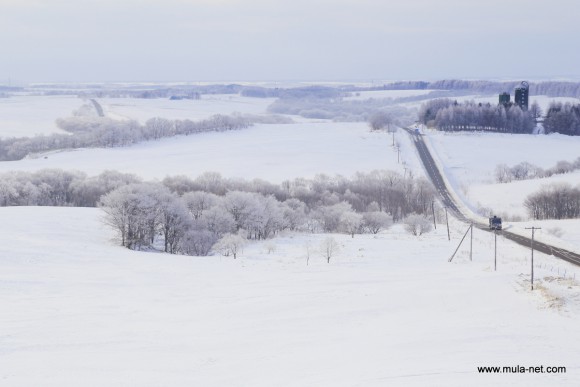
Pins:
x: 98, y: 107
x: 448, y: 201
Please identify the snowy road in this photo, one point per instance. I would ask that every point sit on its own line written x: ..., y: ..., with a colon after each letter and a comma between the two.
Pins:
x: 449, y: 201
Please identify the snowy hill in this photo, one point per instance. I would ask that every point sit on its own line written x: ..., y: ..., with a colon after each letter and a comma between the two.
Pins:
x: 389, y: 309
x: 386, y: 311
x: 470, y: 159
x: 270, y: 152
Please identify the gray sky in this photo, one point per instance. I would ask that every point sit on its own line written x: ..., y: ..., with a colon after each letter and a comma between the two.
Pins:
x: 225, y: 40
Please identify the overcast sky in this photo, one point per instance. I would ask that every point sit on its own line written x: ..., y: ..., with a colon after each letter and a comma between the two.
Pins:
x: 251, y: 40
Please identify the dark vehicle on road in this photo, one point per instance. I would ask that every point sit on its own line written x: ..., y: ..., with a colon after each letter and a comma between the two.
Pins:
x: 495, y: 223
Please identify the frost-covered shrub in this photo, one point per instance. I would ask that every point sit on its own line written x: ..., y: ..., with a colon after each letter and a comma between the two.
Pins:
x: 197, y: 242
x: 376, y: 221
x: 417, y: 224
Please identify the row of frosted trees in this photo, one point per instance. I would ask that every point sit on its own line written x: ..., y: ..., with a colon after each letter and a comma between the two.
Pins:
x: 563, y: 118
x: 189, y: 216
x: 87, y: 132
x: 448, y: 115
x: 193, y: 221
x: 557, y: 201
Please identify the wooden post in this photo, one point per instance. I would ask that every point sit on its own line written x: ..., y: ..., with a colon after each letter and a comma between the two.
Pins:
x: 447, y: 221
x: 532, y: 247
x: 471, y: 244
x: 433, y: 210
x: 495, y: 256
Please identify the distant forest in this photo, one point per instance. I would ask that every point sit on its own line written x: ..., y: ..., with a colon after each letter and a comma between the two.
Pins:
x: 549, y: 88
x: 448, y: 115
x: 104, y: 132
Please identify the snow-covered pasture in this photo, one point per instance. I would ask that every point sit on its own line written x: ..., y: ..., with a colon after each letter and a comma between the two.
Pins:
x: 30, y: 115
x: 270, y: 152
x: 27, y: 116
x: 362, y: 95
x: 387, y: 310
x: 472, y: 157
x: 141, y: 109
x: 470, y: 160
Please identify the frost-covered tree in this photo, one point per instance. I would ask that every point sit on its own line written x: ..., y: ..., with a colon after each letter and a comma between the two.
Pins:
x: 329, y: 248
x: 351, y: 222
x: 8, y: 192
x: 241, y: 206
x: 380, y: 120
x: 294, y: 213
x: 563, y: 118
x: 329, y: 216
x: 556, y: 201
x: 503, y: 173
x: 174, y: 220
x: 218, y: 221
x: 180, y: 184
x: 199, y: 201
x: 134, y: 211
x: 266, y: 217
x: 230, y: 244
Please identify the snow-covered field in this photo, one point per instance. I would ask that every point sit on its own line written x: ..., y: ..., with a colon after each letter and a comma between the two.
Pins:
x: 142, y: 109
x: 471, y: 157
x: 362, y: 95
x: 470, y: 160
x: 271, y: 152
x: 387, y: 310
x: 27, y: 116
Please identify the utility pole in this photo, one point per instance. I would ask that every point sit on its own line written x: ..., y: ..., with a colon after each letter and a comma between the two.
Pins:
x: 495, y: 255
x: 398, y: 153
x: 532, y: 247
x: 471, y: 244
x: 393, y: 137
x: 447, y: 221
x: 433, y: 210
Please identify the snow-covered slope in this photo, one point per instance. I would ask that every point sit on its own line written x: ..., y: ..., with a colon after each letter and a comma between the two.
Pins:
x: 27, y: 116
x: 141, y: 109
x: 470, y: 159
x: 387, y: 310
x: 270, y: 152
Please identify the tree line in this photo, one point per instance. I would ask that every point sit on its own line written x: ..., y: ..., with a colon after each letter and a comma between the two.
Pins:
x: 447, y: 115
x: 556, y: 201
x: 526, y: 170
x: 549, y: 88
x: 91, y: 132
x: 341, y: 110
x: 563, y: 118
x: 191, y: 215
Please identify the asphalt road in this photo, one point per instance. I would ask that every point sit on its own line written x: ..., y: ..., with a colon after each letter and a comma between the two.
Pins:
x: 448, y: 201
x: 98, y: 107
